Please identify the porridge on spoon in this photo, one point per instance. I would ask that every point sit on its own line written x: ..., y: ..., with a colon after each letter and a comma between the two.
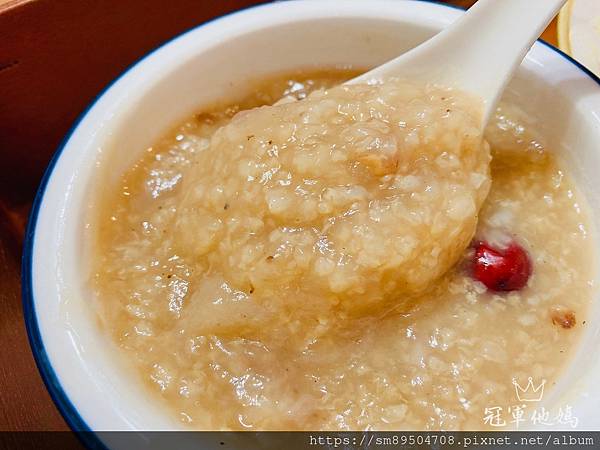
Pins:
x: 351, y: 199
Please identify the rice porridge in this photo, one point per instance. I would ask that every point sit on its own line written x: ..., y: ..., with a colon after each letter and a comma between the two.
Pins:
x: 352, y: 260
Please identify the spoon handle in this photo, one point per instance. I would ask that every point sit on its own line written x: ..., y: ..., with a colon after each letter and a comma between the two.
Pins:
x: 479, y: 52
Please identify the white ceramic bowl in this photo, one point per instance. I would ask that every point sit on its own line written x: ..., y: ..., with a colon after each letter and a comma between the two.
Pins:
x: 79, y: 364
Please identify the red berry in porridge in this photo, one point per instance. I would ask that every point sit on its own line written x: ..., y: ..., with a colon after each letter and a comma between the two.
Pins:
x: 502, y: 269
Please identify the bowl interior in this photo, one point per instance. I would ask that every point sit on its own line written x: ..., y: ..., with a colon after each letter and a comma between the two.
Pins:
x: 216, y: 62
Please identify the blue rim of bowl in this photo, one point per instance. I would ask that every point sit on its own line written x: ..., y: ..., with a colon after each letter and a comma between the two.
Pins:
x: 70, y: 414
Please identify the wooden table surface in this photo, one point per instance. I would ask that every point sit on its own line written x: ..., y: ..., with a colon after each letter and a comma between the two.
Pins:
x: 55, y: 55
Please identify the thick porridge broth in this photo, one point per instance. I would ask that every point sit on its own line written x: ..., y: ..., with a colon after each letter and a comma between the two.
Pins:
x: 435, y: 359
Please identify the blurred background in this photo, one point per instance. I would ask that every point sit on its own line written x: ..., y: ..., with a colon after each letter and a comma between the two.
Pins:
x: 55, y: 57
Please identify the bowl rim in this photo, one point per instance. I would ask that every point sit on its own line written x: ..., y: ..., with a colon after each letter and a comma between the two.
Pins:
x: 60, y: 398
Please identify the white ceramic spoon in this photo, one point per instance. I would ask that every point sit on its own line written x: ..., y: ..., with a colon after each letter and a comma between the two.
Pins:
x: 479, y: 52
